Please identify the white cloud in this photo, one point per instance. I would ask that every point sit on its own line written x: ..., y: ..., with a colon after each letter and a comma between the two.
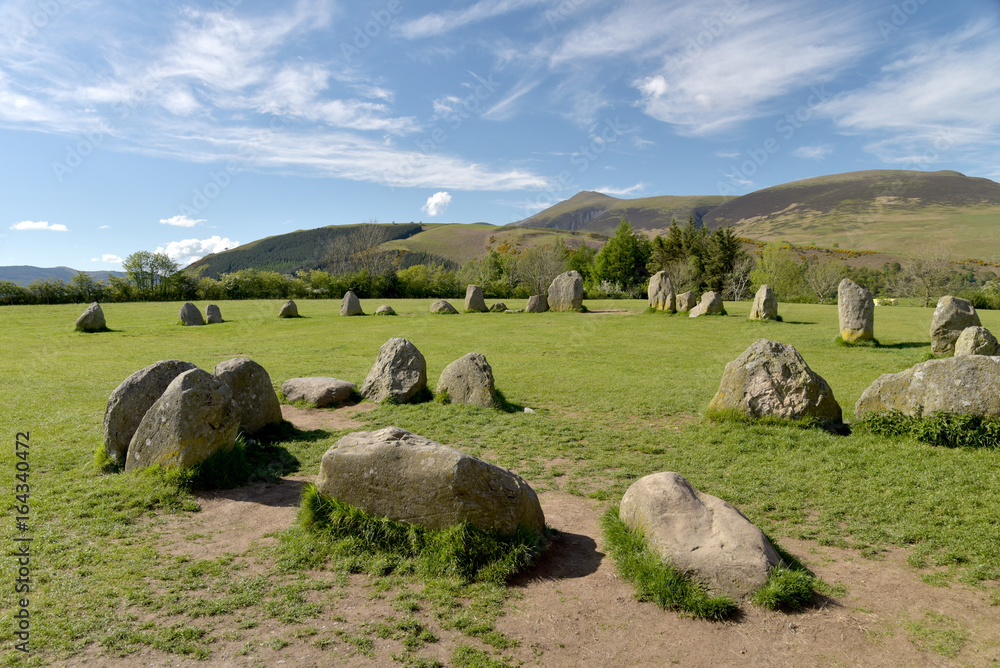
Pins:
x: 104, y: 227
x: 436, y: 203
x: 618, y: 192
x: 818, y: 152
x: 181, y: 221
x: 110, y: 258
x: 39, y: 225
x: 186, y: 251
x: 431, y: 25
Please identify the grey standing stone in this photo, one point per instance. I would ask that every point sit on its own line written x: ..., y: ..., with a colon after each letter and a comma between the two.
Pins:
x: 384, y: 309
x: 951, y: 317
x: 976, y: 341
x: 129, y: 402
x: 320, y: 391
x: 468, y: 380
x: 213, y: 315
x: 662, y: 296
x: 289, y: 310
x: 254, y: 397
x: 443, y: 306
x: 710, y: 304
x: 498, y: 307
x: 965, y: 385
x: 408, y: 478
x: 765, y: 306
x: 537, y: 304
x: 190, y: 315
x: 566, y: 292
x: 699, y: 534
x: 856, y: 309
x: 350, y: 305
x: 192, y: 420
x: 399, y: 373
x: 686, y: 301
x: 92, y: 319
x: 474, y: 299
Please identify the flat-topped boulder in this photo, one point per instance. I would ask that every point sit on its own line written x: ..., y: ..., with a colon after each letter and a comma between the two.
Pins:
x: 350, y: 304
x: 408, y: 478
x: 856, y: 310
x: 468, y: 380
x: 710, y: 304
x: 254, y: 398
x: 190, y: 315
x: 566, y: 292
x: 384, y: 309
x: 289, y: 310
x: 474, y: 299
x: 699, y: 534
x: 320, y: 391
x: 976, y: 341
x: 537, y: 304
x: 686, y: 301
x: 765, y: 306
x: 770, y: 379
x: 213, y: 315
x: 965, y: 385
x: 399, y: 373
x: 443, y: 306
x: 192, y: 420
x: 129, y: 402
x: 952, y: 316
x: 662, y: 296
x: 92, y: 319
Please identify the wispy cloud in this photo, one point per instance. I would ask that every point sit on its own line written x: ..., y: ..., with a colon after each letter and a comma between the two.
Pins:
x: 186, y: 251
x: 107, y: 258
x: 817, y: 152
x: 436, y: 204
x: 432, y: 25
x: 181, y: 221
x: 619, y: 192
x: 39, y: 225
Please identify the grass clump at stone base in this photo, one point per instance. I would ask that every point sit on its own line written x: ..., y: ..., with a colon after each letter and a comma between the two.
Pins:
x: 865, y: 343
x: 787, y: 589
x: 945, y: 429
x: 654, y: 579
x: 738, y: 417
x: 463, y: 551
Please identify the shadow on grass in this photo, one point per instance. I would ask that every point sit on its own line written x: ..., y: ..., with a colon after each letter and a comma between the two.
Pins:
x: 503, y: 405
x: 568, y: 555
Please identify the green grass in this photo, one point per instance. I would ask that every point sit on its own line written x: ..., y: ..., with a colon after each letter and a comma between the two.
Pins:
x: 946, y: 429
x: 617, y: 396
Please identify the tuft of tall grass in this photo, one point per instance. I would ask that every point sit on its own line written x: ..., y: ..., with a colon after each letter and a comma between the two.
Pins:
x: 943, y: 428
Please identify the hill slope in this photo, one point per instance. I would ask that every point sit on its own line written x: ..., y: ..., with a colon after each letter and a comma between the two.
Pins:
x: 23, y: 274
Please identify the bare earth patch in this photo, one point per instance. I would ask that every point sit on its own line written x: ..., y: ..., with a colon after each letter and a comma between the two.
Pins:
x: 573, y: 610
x: 333, y: 419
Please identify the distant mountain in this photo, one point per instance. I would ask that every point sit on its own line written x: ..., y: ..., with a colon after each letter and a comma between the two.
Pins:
x: 596, y: 212
x: 24, y: 274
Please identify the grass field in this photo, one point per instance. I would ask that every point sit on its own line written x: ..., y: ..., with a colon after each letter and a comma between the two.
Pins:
x: 618, y: 394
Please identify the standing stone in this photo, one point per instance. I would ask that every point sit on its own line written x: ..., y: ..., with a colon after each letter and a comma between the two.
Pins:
x: 566, y: 292
x: 289, y: 310
x: 254, y: 398
x: 350, y: 305
x: 962, y: 385
x: 771, y: 379
x: 468, y: 380
x: 498, y: 307
x: 699, y: 534
x: 212, y: 314
x: 443, y: 306
x: 399, y: 373
x: 129, y: 402
x: 661, y: 293
x: 190, y: 315
x: 92, y: 319
x: 765, y: 306
x: 537, y: 304
x: 686, y: 301
x: 857, y: 312
x: 192, y: 420
x: 384, y: 309
x: 320, y: 391
x: 951, y: 317
x: 474, y: 299
x: 710, y: 304
x: 976, y: 341
x: 408, y: 478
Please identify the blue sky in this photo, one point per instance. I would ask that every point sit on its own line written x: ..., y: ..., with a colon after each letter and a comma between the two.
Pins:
x: 189, y: 127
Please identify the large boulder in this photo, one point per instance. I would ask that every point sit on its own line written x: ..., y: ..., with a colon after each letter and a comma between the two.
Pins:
x: 976, y: 341
x: 320, y: 391
x: 468, y: 380
x: 951, y: 317
x: 92, y: 319
x: 254, y: 397
x: 699, y: 534
x: 289, y: 310
x: 408, y: 478
x: 399, y: 373
x: 190, y: 315
x: 856, y: 309
x: 686, y: 301
x: 192, y: 420
x: 474, y: 299
x: 965, y: 384
x: 350, y: 305
x: 384, y: 309
x: 537, y: 304
x: 443, y: 306
x: 129, y: 402
x: 765, y: 306
x: 566, y: 292
x: 662, y: 296
x: 772, y: 379
x: 212, y: 314
x: 710, y: 304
